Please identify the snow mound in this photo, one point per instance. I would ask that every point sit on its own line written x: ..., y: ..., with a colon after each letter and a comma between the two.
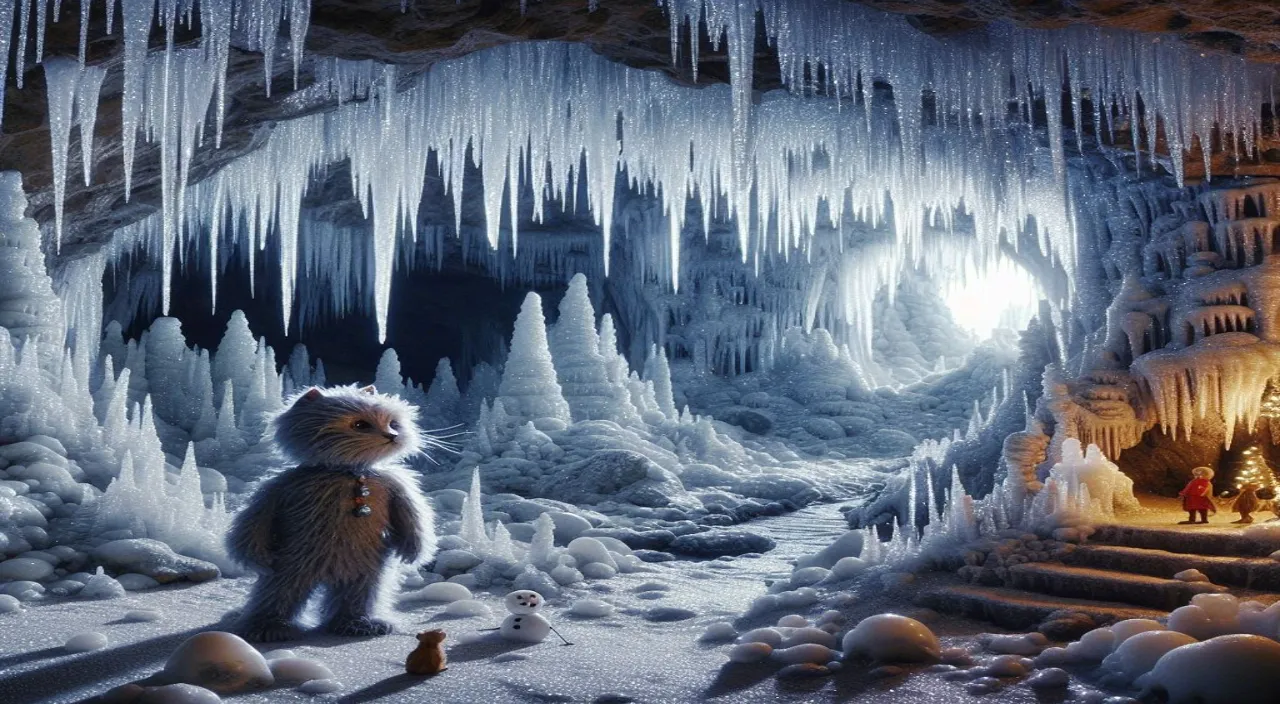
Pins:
x: 292, y: 671
x: 890, y: 638
x: 1139, y: 653
x: 811, y: 653
x: 591, y: 608
x: 153, y: 559
x: 750, y: 652
x: 178, y: 694
x: 468, y: 608
x: 1191, y: 575
x: 220, y: 661
x: 101, y: 586
x: 718, y: 543
x: 440, y: 591
x: 142, y: 615
x: 1049, y: 678
x: 1223, y: 670
x: 719, y: 632
x: 1128, y: 628
x: 326, y: 686
x: 1025, y: 644
x: 847, y: 545
x: 9, y: 604
x: 85, y: 642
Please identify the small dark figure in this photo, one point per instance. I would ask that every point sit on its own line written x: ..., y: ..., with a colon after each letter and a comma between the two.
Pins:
x: 1247, y: 502
x: 334, y: 521
x: 1195, y: 496
x: 428, y: 658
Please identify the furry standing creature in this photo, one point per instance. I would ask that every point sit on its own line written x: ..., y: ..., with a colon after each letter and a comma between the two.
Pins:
x: 335, y: 520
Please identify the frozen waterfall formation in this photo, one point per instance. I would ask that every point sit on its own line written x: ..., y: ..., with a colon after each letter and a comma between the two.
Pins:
x: 940, y: 170
x: 1189, y: 344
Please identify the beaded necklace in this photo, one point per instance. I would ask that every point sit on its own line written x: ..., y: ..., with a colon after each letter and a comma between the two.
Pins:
x: 361, y: 498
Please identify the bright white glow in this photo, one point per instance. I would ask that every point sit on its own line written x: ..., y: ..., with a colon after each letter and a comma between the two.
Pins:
x: 1002, y: 295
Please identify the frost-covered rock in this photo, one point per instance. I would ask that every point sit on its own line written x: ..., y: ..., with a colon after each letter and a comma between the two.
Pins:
x: 101, y: 586
x: 222, y: 662
x: 1224, y: 670
x: 9, y: 604
x: 717, y: 543
x: 153, y: 559
x: 847, y: 545
x: 750, y: 652
x: 1139, y: 653
x: 617, y: 475
x: 293, y: 671
x: 24, y: 568
x: 85, y: 642
x: 328, y: 686
x: 891, y: 638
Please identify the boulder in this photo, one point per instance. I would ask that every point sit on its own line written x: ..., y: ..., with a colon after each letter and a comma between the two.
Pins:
x: 616, y: 475
x: 717, y: 543
x: 153, y: 559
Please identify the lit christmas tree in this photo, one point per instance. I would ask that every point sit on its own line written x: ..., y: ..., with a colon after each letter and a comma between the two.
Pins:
x: 1254, y: 469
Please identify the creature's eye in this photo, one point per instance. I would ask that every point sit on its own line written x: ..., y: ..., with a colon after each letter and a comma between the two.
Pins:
x: 361, y: 425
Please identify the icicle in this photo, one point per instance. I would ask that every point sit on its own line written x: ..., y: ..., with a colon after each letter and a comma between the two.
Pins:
x: 62, y: 76
x: 87, y: 94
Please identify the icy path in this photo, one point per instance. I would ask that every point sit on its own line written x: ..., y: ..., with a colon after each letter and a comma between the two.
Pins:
x: 637, y: 654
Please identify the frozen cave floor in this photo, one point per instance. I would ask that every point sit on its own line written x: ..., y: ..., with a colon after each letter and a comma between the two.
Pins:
x: 634, y: 654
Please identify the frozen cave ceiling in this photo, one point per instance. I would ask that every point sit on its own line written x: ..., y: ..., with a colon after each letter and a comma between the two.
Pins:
x: 633, y: 33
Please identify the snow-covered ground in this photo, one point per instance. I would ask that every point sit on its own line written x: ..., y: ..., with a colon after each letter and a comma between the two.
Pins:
x: 648, y: 650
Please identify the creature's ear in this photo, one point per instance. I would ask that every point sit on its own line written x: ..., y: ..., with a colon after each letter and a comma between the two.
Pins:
x: 370, y: 389
x: 312, y: 394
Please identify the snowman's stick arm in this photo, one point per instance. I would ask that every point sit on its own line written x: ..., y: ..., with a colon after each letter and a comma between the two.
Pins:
x: 553, y: 630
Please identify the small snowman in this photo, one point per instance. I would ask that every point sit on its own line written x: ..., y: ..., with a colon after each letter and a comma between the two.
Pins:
x: 525, y: 624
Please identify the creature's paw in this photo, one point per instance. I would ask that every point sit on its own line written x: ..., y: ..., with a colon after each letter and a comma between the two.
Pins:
x: 270, y: 631
x: 361, y: 627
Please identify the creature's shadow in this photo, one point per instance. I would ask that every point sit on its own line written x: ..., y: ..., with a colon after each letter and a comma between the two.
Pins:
x: 735, y: 677
x: 485, y: 646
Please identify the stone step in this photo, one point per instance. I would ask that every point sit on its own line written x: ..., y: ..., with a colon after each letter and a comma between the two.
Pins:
x: 1020, y: 610
x: 1190, y: 540
x: 1259, y: 573
x: 1105, y: 585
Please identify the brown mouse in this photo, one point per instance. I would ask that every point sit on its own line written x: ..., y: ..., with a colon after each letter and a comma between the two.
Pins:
x: 428, y: 658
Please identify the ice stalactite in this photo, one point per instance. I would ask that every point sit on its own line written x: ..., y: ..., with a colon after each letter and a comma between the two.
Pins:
x: 62, y: 78
x: 1220, y: 379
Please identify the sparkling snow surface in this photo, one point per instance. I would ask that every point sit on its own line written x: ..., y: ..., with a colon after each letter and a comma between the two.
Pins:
x: 621, y: 657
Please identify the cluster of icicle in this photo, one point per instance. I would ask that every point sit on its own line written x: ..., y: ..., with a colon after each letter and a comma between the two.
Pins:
x: 531, y: 116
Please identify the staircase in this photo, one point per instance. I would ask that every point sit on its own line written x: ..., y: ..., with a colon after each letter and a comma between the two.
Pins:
x: 1122, y: 572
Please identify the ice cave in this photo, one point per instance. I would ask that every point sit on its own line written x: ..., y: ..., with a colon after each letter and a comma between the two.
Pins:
x: 661, y: 351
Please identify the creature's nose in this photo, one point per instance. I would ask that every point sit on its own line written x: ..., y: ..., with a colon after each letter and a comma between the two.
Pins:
x: 390, y: 434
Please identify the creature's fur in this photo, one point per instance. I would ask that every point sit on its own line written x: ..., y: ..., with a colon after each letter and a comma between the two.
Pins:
x: 428, y: 658
x: 299, y: 530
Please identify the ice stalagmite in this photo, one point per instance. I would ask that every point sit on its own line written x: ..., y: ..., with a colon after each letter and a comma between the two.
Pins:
x: 530, y: 390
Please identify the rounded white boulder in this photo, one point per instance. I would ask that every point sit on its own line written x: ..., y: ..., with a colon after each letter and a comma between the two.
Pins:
x: 291, y: 671
x: 178, y: 694
x: 1223, y: 670
x: 588, y: 550
x: 467, y: 608
x: 591, y: 608
x: 890, y: 638
x: 750, y: 652
x: 1139, y: 653
x: 441, y: 591
x: 25, y: 568
x: 85, y: 642
x: 220, y: 661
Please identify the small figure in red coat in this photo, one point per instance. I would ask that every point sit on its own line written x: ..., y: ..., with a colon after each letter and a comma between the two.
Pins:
x: 1195, y: 496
